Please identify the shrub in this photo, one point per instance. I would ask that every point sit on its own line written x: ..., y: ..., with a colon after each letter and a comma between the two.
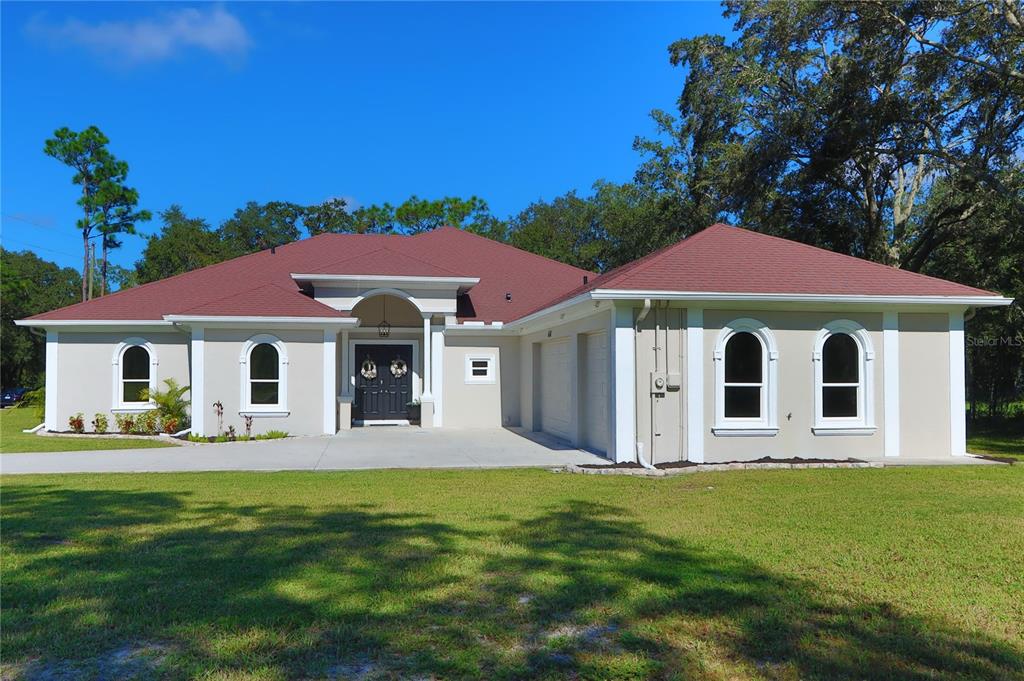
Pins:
x: 170, y: 405
x: 170, y: 426
x: 146, y: 422
x: 35, y: 399
x: 272, y: 435
x: 77, y: 423
x: 125, y: 423
x: 248, y: 426
x: 100, y: 423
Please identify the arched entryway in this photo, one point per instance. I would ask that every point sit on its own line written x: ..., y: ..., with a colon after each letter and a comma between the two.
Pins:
x: 386, y: 356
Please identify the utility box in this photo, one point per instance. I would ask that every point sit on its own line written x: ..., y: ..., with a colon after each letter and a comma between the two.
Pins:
x: 659, y: 382
x: 675, y: 380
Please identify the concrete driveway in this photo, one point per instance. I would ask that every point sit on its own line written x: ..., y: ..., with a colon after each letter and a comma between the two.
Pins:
x: 359, y: 448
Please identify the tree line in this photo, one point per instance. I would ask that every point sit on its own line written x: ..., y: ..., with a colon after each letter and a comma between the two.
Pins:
x: 891, y: 131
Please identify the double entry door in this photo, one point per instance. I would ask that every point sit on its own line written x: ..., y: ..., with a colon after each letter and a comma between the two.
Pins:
x: 384, y: 376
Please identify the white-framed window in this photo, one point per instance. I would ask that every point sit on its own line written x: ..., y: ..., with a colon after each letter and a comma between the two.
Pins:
x: 479, y: 368
x: 134, y: 374
x: 264, y: 377
x: 843, y: 393
x: 746, y: 384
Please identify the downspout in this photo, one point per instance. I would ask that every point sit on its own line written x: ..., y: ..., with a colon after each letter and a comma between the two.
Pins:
x: 636, y: 329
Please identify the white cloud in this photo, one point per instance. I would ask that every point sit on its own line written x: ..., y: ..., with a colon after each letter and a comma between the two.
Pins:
x: 153, y: 39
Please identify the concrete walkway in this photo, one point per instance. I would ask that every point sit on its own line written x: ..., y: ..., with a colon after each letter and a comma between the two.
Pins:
x: 359, y: 448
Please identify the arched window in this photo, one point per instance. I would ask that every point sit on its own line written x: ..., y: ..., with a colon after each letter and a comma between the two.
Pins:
x: 264, y: 364
x: 744, y: 376
x: 264, y: 375
x: 745, y: 371
x: 842, y: 380
x: 840, y: 377
x: 134, y: 375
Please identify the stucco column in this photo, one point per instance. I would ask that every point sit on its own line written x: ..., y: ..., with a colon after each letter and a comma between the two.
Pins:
x: 957, y: 387
x: 330, y: 372
x: 345, y: 397
x: 695, y: 384
x: 427, y: 360
x: 891, y: 381
x: 52, y: 380
x: 623, y: 384
x: 437, y: 373
x: 197, y: 389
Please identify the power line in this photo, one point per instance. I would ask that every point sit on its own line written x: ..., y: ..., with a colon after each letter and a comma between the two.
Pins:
x: 36, y: 246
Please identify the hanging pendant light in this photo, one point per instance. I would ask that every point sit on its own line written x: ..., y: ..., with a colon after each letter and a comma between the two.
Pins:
x: 384, y: 328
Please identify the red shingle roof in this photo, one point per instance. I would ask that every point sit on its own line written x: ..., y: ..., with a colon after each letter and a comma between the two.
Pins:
x: 236, y: 287
x: 727, y: 259
x: 384, y: 262
x: 269, y: 300
x: 719, y: 259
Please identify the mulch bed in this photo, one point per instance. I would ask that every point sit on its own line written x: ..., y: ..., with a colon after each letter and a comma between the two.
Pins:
x: 628, y: 464
x: 1000, y: 459
x: 690, y: 464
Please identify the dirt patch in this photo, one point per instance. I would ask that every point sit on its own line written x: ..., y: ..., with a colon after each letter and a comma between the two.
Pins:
x: 999, y: 459
x: 137, y: 660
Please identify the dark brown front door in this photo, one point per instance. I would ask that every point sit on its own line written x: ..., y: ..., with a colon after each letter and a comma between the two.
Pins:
x: 385, y: 396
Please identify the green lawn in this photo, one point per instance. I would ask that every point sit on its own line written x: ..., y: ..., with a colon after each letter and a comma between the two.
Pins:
x: 13, y: 421
x: 908, y: 573
x: 1005, y: 438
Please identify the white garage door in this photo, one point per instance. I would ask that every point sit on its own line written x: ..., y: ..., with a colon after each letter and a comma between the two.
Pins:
x: 554, y: 382
x: 595, y: 392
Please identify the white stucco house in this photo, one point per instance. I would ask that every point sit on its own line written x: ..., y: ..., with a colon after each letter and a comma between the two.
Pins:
x: 728, y: 345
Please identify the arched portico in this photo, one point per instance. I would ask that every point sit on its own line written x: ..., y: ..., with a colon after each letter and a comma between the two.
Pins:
x: 386, y: 360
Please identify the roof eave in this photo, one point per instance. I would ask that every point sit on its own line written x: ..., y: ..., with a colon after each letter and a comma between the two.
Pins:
x: 32, y: 322
x: 380, y: 280
x: 847, y: 299
x: 249, y: 320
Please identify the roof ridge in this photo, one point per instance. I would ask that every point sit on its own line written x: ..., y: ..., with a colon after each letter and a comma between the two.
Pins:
x: 390, y: 250
x: 889, y: 268
x: 626, y: 269
x: 500, y: 243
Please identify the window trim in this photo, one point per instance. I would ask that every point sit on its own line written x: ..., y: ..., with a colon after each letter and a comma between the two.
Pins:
x: 767, y: 425
x: 864, y: 422
x: 490, y: 378
x: 119, y: 406
x: 281, y: 407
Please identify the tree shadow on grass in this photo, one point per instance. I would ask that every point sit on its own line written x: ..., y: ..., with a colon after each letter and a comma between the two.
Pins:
x: 580, y: 590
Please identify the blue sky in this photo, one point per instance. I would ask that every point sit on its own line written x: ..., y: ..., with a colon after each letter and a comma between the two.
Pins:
x: 216, y: 105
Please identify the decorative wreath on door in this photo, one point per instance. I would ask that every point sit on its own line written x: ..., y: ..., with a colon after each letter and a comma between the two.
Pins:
x: 398, y: 367
x: 369, y: 369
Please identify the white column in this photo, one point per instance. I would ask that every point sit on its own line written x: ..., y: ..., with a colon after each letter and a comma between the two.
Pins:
x: 891, y: 381
x: 437, y: 374
x: 427, y: 357
x: 957, y: 387
x: 695, y: 384
x: 346, y: 372
x: 52, y: 380
x: 197, y: 390
x: 624, y: 384
x: 330, y: 372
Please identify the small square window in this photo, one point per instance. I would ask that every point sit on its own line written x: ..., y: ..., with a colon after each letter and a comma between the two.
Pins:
x: 479, y: 368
